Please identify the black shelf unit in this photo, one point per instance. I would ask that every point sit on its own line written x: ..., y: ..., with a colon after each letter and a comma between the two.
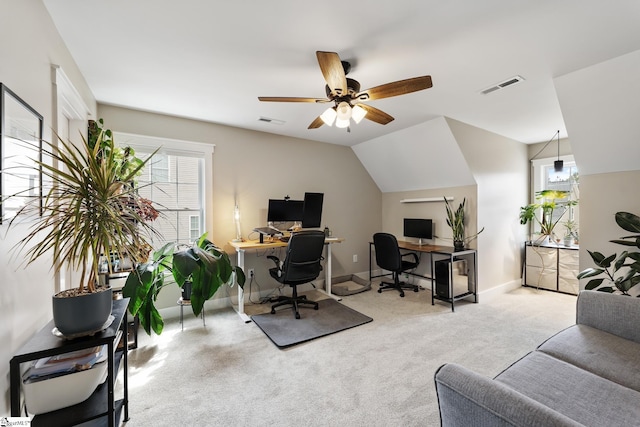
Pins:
x: 100, y: 408
x: 450, y: 256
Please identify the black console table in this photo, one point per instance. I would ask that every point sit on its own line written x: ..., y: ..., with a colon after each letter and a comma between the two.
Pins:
x: 100, y: 408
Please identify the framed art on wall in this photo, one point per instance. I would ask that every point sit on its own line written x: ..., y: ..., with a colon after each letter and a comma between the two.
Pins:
x: 20, y: 149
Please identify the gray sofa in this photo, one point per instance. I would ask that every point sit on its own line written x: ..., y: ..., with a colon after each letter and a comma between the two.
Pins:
x: 587, y: 374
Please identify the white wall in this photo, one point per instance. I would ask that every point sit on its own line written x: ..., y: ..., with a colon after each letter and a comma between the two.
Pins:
x: 601, y: 196
x: 499, y: 166
x: 30, y: 46
x: 420, y: 157
x: 251, y: 167
x: 601, y: 106
x: 491, y: 171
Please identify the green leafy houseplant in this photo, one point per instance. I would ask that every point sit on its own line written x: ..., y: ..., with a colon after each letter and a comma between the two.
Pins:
x: 621, y: 272
x: 570, y: 231
x: 90, y: 210
x: 127, y: 165
x: 205, y: 265
x: 546, y: 205
x: 456, y: 220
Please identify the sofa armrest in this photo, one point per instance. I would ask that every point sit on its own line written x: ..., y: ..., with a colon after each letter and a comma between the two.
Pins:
x: 466, y: 398
x: 615, y: 314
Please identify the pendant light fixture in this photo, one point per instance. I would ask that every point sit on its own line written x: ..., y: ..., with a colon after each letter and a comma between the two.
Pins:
x: 558, y: 165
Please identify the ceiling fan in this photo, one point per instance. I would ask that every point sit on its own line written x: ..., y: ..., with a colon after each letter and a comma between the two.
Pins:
x: 346, y: 95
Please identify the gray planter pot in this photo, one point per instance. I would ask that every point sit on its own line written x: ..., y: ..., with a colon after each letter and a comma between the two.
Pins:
x: 82, y: 315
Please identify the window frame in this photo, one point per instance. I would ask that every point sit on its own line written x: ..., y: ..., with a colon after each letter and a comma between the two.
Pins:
x: 181, y: 148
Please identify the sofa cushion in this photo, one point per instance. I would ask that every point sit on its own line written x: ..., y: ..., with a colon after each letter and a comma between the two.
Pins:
x: 466, y: 398
x: 616, y: 314
x: 598, y: 352
x: 574, y: 392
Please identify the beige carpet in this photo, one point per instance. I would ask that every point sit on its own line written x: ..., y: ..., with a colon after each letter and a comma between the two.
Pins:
x: 378, y: 374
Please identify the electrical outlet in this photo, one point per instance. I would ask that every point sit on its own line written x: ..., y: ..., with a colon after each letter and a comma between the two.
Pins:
x: 251, y: 273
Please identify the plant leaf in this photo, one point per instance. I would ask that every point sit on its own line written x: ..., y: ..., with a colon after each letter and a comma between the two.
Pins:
x: 593, y: 284
x: 628, y: 221
x: 589, y: 272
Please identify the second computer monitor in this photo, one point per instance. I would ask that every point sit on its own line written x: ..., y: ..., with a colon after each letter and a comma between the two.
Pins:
x: 312, y: 212
x: 418, y: 227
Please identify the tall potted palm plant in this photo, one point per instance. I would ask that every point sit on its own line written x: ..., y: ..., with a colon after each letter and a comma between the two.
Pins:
x: 91, y: 210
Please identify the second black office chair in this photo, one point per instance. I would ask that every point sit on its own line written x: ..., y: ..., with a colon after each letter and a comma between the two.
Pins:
x: 388, y: 257
x: 301, y: 265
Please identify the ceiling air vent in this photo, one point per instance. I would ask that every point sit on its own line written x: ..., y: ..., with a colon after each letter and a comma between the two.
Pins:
x: 272, y: 121
x: 509, y: 82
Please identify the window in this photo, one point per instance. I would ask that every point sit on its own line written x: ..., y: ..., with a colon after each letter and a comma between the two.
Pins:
x: 159, y: 168
x: 194, y: 227
x: 174, y: 179
x: 546, y: 178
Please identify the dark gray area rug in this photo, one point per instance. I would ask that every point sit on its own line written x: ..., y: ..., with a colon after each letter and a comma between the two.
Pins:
x: 331, y: 317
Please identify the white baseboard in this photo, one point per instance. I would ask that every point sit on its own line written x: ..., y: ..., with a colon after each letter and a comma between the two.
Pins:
x: 227, y: 301
x: 489, y: 294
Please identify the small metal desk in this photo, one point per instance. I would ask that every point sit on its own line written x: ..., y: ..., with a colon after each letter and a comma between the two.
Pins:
x: 440, y: 253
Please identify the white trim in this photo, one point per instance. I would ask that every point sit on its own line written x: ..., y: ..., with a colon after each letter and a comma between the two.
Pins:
x: 169, y: 146
x: 69, y: 99
x: 427, y: 199
x: 491, y: 293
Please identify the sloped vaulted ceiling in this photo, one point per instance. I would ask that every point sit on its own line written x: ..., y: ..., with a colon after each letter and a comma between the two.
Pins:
x: 601, y: 109
x: 425, y: 156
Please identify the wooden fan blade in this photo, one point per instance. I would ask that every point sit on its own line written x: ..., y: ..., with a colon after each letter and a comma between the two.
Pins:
x: 400, y: 87
x: 291, y: 99
x: 376, y: 115
x: 316, y: 123
x: 333, y: 73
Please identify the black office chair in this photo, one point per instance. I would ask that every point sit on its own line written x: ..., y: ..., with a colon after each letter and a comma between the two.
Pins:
x: 301, y: 265
x: 388, y: 257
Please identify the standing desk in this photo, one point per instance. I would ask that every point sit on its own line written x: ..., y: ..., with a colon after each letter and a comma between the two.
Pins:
x: 440, y: 253
x: 255, y: 245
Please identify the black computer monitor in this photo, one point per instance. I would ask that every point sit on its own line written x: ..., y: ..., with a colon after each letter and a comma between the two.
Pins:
x: 285, y: 210
x: 312, y: 213
x: 418, y: 227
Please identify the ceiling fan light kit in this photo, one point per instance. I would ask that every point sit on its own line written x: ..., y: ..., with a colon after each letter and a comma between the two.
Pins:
x: 346, y: 95
x: 329, y: 116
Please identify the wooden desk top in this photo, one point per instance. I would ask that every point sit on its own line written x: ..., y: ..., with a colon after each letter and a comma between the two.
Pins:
x: 431, y: 248
x: 421, y: 248
x: 275, y: 243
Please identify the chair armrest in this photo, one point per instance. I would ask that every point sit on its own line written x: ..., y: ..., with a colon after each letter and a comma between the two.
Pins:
x: 415, y: 256
x: 464, y: 396
x: 275, y: 259
x: 616, y: 314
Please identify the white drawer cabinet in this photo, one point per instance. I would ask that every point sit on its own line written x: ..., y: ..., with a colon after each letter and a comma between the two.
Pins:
x: 552, y: 267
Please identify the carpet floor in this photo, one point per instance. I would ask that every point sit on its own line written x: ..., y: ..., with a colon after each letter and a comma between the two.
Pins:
x: 379, y: 374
